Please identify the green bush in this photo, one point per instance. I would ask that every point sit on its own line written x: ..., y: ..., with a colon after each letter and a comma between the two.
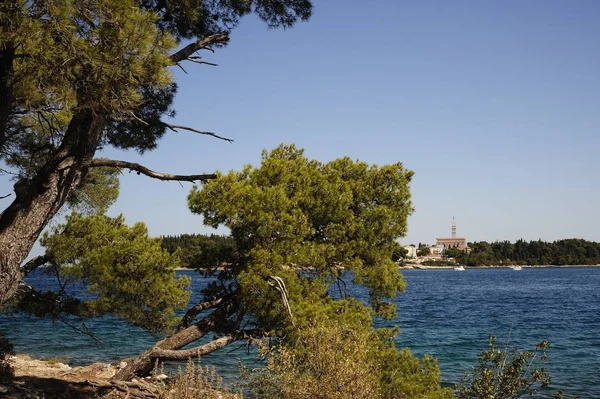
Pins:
x: 504, y: 374
x: 337, y: 361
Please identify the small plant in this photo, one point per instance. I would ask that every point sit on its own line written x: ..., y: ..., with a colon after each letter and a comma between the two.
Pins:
x: 506, y: 374
x: 196, y: 383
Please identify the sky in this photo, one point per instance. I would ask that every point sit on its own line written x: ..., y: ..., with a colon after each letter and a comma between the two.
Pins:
x: 493, y: 105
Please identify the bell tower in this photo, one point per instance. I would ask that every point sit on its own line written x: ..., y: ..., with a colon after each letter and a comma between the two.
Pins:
x: 453, y: 227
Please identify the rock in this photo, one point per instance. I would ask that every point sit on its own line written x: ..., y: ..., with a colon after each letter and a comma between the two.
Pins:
x: 122, y: 365
x: 162, y: 377
x: 3, y: 389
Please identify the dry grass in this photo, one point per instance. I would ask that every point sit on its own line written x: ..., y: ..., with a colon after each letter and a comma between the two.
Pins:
x: 197, y: 383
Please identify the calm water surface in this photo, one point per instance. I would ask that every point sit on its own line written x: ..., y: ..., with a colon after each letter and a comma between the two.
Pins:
x: 444, y: 313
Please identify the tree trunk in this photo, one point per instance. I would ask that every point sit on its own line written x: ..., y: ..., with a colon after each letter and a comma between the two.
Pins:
x: 142, y: 364
x: 7, y: 56
x: 39, y: 199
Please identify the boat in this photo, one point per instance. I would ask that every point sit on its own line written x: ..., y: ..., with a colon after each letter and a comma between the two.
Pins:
x: 516, y: 267
x: 459, y: 269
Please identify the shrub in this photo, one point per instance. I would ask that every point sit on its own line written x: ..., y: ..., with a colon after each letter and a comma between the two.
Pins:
x: 196, y: 383
x: 503, y: 374
x: 336, y: 361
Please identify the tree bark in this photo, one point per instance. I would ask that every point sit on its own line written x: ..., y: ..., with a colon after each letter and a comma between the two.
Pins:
x: 142, y: 364
x: 37, y: 200
x: 7, y: 56
x: 194, y: 353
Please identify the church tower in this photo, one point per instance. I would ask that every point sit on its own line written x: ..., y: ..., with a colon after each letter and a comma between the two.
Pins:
x: 453, y: 227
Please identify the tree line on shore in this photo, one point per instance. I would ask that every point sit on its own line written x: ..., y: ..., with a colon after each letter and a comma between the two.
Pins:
x: 198, y: 251
x: 572, y: 251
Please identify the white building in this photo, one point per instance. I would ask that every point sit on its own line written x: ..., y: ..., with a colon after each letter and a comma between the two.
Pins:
x: 411, y: 251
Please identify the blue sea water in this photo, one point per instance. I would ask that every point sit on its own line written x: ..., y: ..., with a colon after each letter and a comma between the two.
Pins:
x: 443, y: 313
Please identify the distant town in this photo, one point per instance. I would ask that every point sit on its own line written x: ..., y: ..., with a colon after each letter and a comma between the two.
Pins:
x: 440, y: 251
x: 454, y: 250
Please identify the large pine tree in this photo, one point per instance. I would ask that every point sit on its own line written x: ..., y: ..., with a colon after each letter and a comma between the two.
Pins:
x: 78, y: 75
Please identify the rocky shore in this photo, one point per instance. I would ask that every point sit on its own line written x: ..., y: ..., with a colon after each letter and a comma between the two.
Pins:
x: 52, y: 379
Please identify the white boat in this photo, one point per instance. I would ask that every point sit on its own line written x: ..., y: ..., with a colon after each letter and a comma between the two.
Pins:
x: 516, y: 267
x: 459, y: 269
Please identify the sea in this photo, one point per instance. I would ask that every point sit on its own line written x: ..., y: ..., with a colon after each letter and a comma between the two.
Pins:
x: 443, y: 313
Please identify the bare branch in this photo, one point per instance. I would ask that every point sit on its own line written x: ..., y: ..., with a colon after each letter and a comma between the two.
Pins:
x: 111, y: 163
x: 195, y: 61
x: 197, y: 351
x: 194, y: 311
x: 175, y: 128
x: 279, y: 285
x: 191, y: 129
x: 182, y: 68
x: 200, y: 44
x: 34, y: 263
x: 202, y: 350
x: 5, y: 196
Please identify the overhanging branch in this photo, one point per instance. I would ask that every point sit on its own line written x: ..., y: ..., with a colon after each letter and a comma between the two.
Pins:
x: 200, y: 44
x: 205, y: 349
x: 191, y: 129
x: 34, y: 263
x: 197, y: 309
x: 140, y: 169
x: 176, y: 128
x: 196, y: 352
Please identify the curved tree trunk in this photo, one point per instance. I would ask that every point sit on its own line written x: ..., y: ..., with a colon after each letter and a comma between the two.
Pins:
x: 142, y: 364
x: 40, y: 198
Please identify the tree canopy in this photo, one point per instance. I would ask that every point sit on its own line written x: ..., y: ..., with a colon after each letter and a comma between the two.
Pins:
x: 121, y: 270
x: 294, y: 213
x: 80, y: 75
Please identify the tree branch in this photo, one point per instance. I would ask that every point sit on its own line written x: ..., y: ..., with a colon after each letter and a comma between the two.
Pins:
x: 175, y: 128
x: 202, y: 350
x: 200, y: 44
x: 111, y: 163
x: 191, y: 129
x: 194, y: 311
x: 34, y: 263
x: 197, y: 351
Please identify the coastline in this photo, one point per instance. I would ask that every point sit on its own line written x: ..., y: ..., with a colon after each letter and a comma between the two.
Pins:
x: 423, y: 267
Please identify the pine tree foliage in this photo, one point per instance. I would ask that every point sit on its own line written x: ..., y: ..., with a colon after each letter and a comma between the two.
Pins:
x: 77, y: 76
x: 198, y: 251
x: 125, y: 272
x: 309, y: 224
x: 331, y: 218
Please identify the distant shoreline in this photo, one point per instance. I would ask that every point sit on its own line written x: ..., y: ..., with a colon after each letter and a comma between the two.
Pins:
x: 422, y: 267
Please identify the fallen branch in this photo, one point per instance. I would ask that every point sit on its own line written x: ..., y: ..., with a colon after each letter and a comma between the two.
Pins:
x: 111, y: 163
x: 132, y: 389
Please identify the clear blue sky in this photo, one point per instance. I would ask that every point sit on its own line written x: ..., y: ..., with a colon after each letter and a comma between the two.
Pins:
x: 494, y: 105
